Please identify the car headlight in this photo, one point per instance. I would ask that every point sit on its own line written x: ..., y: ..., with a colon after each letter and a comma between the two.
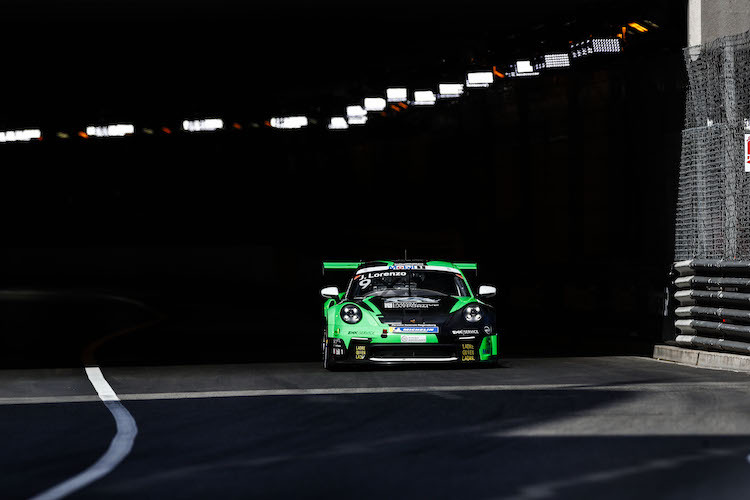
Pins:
x: 351, y: 314
x: 472, y: 313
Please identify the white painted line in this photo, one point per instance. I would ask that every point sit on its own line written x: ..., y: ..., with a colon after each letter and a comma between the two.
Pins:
x: 333, y: 391
x: 118, y: 449
x: 103, y: 389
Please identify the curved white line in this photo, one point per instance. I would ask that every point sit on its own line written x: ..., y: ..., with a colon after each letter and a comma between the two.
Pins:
x: 118, y: 449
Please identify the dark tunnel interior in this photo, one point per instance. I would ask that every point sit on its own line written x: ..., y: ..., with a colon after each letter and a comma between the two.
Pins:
x: 562, y: 187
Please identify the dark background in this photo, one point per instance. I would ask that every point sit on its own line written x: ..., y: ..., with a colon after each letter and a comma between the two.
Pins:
x: 562, y: 187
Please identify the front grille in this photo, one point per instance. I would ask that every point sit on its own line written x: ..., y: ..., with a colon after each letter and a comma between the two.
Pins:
x: 412, y: 351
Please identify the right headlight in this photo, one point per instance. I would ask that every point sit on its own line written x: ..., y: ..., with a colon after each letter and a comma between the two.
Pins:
x: 472, y: 313
x: 351, y: 314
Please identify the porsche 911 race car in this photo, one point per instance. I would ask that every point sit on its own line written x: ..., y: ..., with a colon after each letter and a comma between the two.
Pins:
x: 396, y: 312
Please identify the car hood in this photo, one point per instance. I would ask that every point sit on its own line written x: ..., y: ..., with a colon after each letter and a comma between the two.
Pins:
x: 414, y: 310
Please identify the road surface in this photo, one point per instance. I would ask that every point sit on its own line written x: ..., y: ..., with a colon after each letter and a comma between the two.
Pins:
x: 588, y: 427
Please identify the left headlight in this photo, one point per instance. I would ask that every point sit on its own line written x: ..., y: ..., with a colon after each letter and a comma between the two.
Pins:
x: 351, y: 314
x: 472, y: 313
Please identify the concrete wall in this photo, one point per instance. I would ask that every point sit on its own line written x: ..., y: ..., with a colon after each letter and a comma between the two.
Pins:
x: 711, y: 19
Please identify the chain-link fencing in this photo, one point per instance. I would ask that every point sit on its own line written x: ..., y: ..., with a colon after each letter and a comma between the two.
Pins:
x: 713, y: 207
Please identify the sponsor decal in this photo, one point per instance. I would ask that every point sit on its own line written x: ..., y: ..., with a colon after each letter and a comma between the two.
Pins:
x: 414, y: 329
x: 414, y: 339
x: 747, y: 152
x: 465, y: 332
x: 410, y: 303
x: 467, y: 352
x: 406, y: 266
x: 360, y: 352
x: 383, y: 274
x: 487, y: 329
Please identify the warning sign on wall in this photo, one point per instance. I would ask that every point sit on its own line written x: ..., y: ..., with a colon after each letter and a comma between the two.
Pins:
x: 747, y: 152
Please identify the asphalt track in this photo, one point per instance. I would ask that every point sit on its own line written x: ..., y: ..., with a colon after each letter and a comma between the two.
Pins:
x: 596, y: 427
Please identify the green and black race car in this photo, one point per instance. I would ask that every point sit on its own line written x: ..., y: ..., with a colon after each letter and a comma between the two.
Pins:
x: 396, y: 312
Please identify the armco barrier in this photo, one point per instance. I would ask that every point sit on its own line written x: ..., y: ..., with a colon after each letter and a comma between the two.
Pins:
x: 713, y: 310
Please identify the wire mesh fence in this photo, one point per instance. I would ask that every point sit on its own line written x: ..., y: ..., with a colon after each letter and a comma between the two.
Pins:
x: 713, y: 203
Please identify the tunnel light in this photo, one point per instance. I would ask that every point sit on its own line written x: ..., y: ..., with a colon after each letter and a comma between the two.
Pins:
x: 638, y: 27
x: 479, y: 79
x: 354, y: 111
x: 20, y: 135
x: 117, y: 130
x: 559, y: 60
x: 357, y: 120
x: 447, y: 90
x: 288, y: 122
x: 424, y: 97
x: 374, y: 103
x: 580, y: 49
x: 338, y: 123
x: 524, y: 68
x: 605, y: 45
x: 595, y: 46
x: 395, y: 94
x: 206, y: 125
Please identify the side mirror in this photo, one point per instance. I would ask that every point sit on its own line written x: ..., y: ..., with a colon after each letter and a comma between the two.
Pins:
x: 487, y: 291
x: 330, y: 292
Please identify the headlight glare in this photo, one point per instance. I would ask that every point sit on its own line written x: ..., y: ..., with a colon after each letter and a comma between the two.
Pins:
x: 351, y: 314
x: 472, y: 313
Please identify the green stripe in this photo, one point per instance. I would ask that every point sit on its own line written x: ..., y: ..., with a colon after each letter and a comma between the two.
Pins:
x: 341, y: 265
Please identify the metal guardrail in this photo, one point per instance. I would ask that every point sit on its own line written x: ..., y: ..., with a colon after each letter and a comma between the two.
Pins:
x: 713, y: 310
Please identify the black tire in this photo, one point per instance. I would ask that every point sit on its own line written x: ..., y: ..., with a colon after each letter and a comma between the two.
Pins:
x: 328, y: 362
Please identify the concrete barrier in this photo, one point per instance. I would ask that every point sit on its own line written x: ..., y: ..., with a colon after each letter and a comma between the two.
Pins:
x: 702, y: 359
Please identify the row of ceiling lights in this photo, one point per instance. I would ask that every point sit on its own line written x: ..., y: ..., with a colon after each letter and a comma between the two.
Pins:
x: 397, y: 98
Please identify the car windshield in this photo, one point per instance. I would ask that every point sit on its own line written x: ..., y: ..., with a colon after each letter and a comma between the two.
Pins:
x: 407, y: 283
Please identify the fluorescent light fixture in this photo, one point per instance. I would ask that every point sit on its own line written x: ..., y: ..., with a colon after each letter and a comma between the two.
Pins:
x: 374, y: 103
x: 424, y: 97
x: 595, y: 46
x: 356, y: 110
x: 338, y: 123
x: 396, y: 94
x: 524, y: 67
x: 357, y: 120
x: 559, y: 60
x: 289, y: 122
x: 446, y: 90
x: 605, y: 45
x: 206, y: 125
x: 580, y: 49
x: 20, y: 135
x: 479, y: 79
x: 117, y: 130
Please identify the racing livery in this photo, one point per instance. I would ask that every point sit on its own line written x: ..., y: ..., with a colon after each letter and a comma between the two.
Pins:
x: 407, y: 312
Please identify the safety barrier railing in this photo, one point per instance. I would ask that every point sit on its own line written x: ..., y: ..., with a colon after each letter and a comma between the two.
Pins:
x: 713, y: 304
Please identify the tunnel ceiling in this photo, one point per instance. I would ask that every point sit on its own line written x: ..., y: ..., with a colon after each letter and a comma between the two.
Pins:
x: 101, y: 61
